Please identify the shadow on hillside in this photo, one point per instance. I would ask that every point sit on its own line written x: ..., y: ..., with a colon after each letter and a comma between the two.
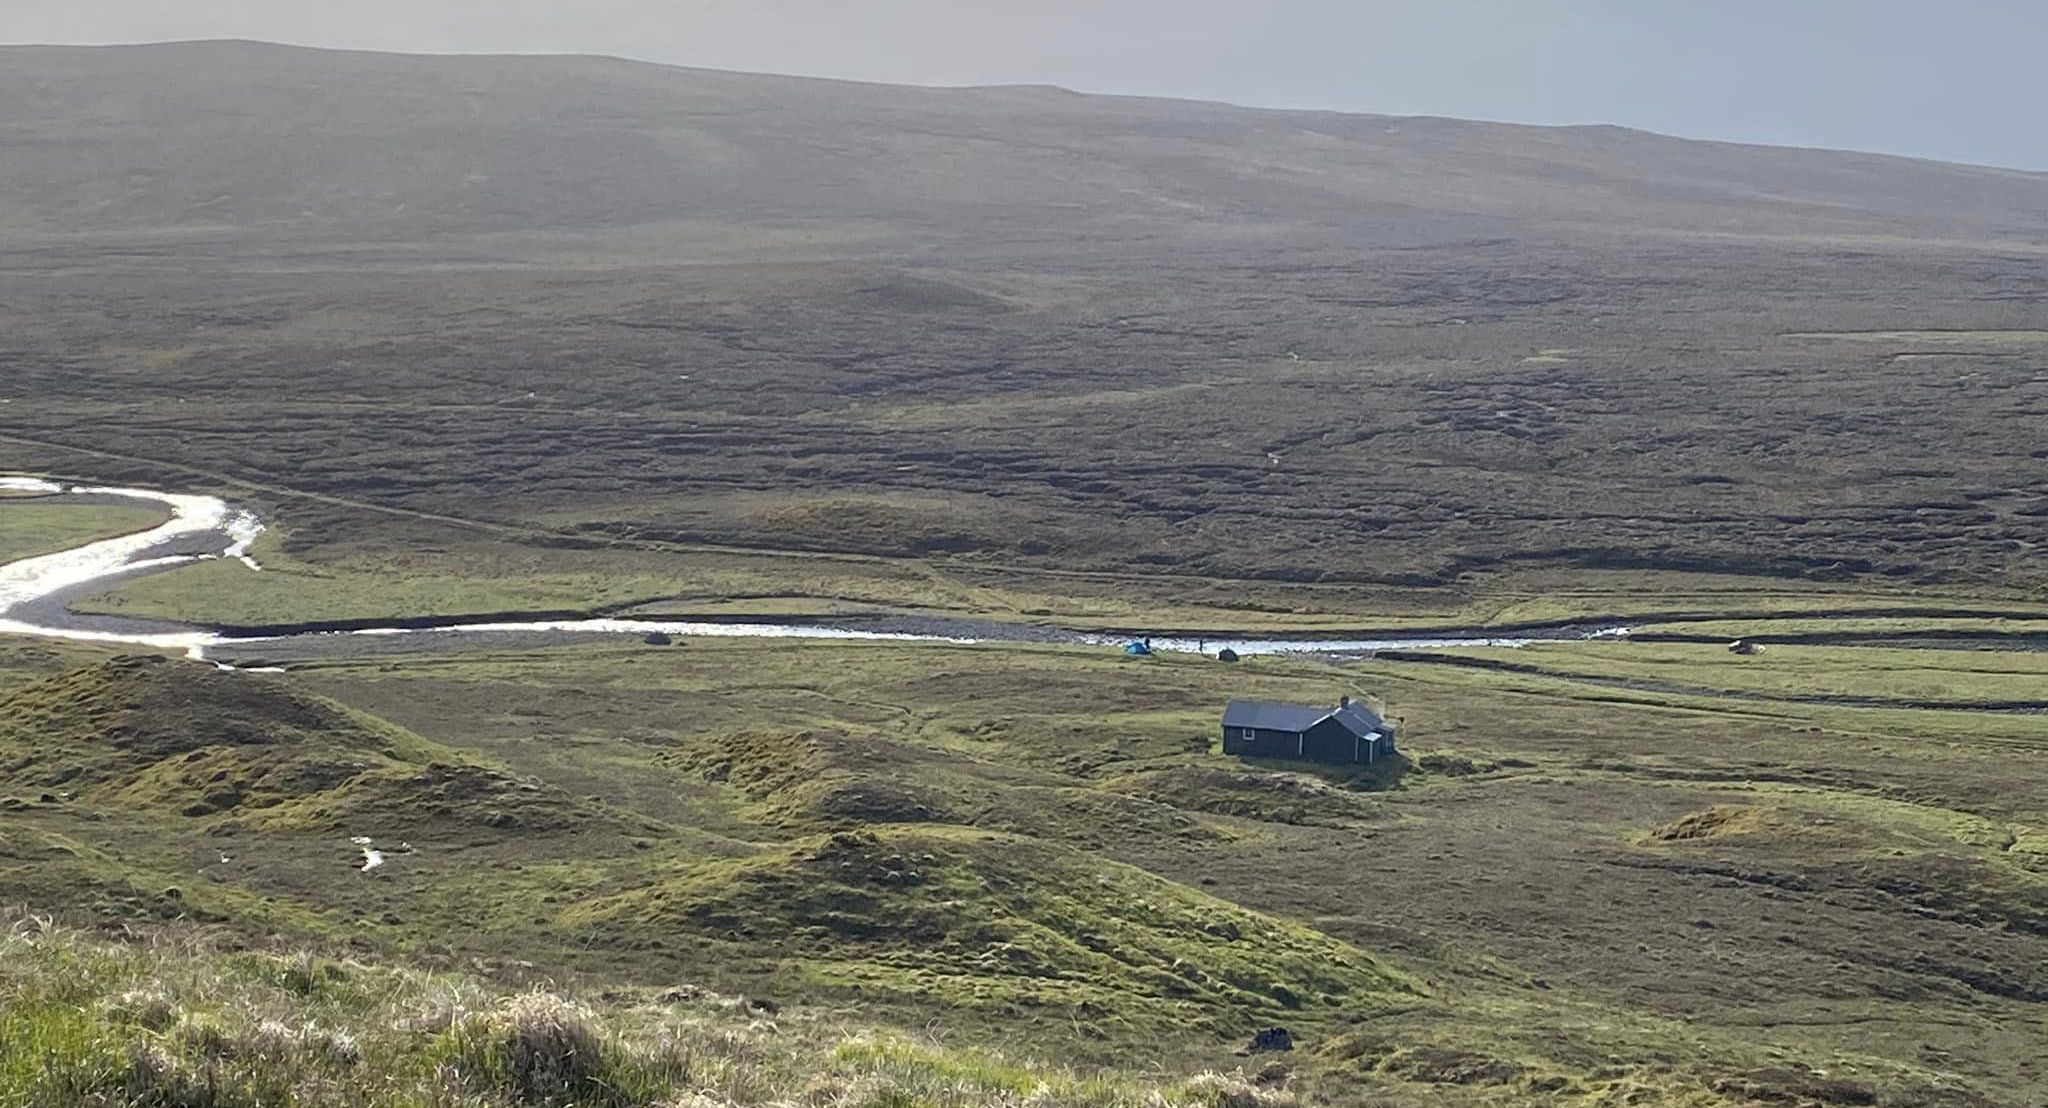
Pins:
x: 1377, y: 776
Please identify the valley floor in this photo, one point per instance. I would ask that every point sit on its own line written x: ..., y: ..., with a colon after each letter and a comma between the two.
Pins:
x: 1615, y: 872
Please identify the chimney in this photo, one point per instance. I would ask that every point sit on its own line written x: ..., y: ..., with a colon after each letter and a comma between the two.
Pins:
x: 1343, y: 702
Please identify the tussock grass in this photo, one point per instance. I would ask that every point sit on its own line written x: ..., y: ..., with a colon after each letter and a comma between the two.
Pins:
x: 178, y: 1019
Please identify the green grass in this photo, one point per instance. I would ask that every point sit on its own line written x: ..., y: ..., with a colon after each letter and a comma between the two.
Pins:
x: 124, y: 751
x: 1040, y: 845
x: 289, y: 590
x: 1960, y: 677
x: 1932, y: 625
x: 142, y: 734
x: 448, y: 573
x: 172, y: 1015
x: 950, y: 918
x: 451, y: 574
x: 181, y: 1020
x: 29, y: 528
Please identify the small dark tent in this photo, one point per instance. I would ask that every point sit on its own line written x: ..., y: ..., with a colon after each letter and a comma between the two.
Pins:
x: 1350, y: 732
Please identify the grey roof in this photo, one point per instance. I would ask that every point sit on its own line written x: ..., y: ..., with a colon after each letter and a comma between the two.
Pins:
x: 1361, y: 720
x: 1269, y: 716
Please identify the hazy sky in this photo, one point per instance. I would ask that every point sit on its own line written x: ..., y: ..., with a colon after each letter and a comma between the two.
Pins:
x: 1956, y: 79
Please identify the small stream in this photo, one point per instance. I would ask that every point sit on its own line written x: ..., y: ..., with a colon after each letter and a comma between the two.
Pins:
x: 34, y: 593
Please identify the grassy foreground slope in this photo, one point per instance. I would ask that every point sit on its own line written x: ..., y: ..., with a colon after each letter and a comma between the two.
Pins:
x: 175, y: 1017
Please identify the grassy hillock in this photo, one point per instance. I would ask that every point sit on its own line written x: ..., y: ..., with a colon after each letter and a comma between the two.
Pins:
x: 145, y: 729
x: 832, y: 780
x: 145, y: 734
x: 1954, y: 867
x: 962, y: 918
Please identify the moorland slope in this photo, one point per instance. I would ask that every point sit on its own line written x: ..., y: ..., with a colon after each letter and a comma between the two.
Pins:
x: 480, y: 308
x: 275, y: 142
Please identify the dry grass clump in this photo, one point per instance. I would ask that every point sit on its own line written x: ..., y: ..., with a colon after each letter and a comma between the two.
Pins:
x: 550, y: 1048
x: 874, y: 1071
x: 1235, y: 1090
x: 88, y: 1022
x: 146, y: 1007
x: 535, y: 1048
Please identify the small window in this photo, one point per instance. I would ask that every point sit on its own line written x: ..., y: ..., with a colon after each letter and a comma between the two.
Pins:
x: 1248, y: 733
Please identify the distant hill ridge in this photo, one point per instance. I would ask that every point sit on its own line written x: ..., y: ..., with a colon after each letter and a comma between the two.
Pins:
x: 241, y: 138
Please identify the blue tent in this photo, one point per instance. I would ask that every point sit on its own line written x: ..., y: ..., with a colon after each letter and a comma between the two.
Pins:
x: 1139, y: 648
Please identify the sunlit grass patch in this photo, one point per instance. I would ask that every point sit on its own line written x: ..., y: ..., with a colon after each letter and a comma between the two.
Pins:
x: 31, y: 528
x: 174, y: 1022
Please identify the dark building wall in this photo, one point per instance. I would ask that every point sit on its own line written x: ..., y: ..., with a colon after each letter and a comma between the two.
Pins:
x: 1326, y: 742
x: 1261, y: 743
x: 1330, y: 741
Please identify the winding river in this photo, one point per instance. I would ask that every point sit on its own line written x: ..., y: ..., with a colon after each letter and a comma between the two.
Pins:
x: 33, y: 592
